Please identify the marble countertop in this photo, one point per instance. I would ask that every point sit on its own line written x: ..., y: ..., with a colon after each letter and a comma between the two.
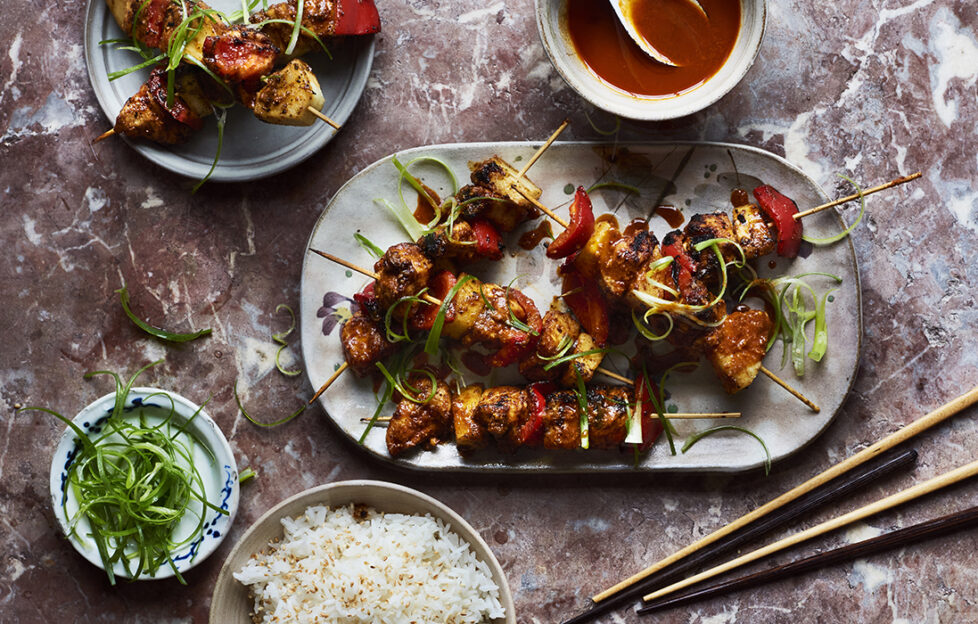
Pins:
x: 873, y: 90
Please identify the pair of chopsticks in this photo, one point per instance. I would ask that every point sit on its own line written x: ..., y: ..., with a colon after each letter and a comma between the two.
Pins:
x: 806, y: 493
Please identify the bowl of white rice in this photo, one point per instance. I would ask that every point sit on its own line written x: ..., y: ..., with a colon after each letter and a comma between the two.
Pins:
x: 361, y: 551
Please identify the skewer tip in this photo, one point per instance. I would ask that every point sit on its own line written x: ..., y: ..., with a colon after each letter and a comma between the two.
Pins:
x: 323, y: 117
x: 104, y: 135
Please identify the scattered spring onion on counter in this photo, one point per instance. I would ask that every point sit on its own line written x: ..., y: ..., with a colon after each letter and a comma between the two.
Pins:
x: 156, y: 332
x: 365, y: 242
x: 136, y: 483
x: 247, y: 475
x: 280, y: 340
x: 276, y: 423
x: 693, y: 439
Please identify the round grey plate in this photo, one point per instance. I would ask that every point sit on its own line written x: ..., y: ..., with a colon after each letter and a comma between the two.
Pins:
x: 252, y: 149
x: 696, y: 177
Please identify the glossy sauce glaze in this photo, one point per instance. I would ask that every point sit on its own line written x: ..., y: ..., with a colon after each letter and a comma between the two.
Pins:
x: 677, y: 28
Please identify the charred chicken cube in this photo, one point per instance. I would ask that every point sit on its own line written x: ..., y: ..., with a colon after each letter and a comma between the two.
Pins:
x: 499, y: 177
x: 470, y: 435
x: 704, y: 227
x: 364, y: 343
x: 623, y: 260
x: 458, y: 244
x: 402, y: 271
x: 317, y: 15
x: 562, y: 421
x: 501, y: 411
x: 560, y: 331
x: 754, y: 231
x: 478, y: 202
x: 421, y: 425
x: 736, y: 348
x: 288, y: 96
x: 607, y: 416
x: 146, y: 115
x: 651, y: 281
x: 583, y: 366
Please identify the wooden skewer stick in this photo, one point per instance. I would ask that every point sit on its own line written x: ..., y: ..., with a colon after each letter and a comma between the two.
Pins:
x: 849, y: 198
x: 329, y: 382
x: 909, y: 494
x: 104, y: 135
x: 323, y: 117
x: 364, y: 271
x: 547, y: 211
x: 795, y: 393
x: 432, y: 301
x: 901, y: 435
x: 543, y: 148
x: 678, y: 416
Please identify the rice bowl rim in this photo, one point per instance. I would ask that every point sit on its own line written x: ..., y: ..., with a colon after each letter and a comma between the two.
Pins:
x: 230, y: 603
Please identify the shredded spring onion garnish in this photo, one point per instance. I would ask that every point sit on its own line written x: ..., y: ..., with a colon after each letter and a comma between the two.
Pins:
x: 289, y: 49
x: 562, y: 348
x: 381, y: 402
x: 393, y: 336
x: 633, y: 433
x: 280, y: 339
x: 309, y: 33
x: 581, y: 392
x: 247, y: 475
x: 659, y: 403
x: 431, y: 344
x: 514, y: 322
x: 573, y: 356
x: 399, y: 382
x: 621, y: 186
x: 702, y: 434
x: 405, y: 218
x: 221, y: 122
x: 641, y: 324
x: 862, y: 209
x: 276, y: 423
x: 135, y: 484
x: 613, y: 131
x: 156, y: 332
x: 415, y: 183
x: 799, y: 305
x: 364, y: 242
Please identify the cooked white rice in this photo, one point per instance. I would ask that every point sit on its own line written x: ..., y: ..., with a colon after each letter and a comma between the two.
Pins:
x: 391, y: 568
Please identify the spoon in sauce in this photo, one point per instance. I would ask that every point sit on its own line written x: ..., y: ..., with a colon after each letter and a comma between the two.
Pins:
x: 623, y: 9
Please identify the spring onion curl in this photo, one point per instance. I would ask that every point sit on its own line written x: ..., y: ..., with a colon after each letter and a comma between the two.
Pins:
x: 280, y: 339
x: 573, y: 356
x: 512, y: 321
x: 393, y: 336
x: 367, y: 245
x: 221, y: 118
x: 135, y: 484
x: 562, y: 348
x: 415, y: 183
x: 276, y: 423
x: 862, y: 209
x: 628, y: 188
x: 581, y: 393
x: 156, y: 332
x: 641, y: 324
x: 405, y: 218
x: 702, y: 434
x: 613, y: 131
x: 398, y: 381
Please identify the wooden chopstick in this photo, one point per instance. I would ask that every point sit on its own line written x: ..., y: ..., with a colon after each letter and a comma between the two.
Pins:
x: 903, y: 496
x: 902, y: 537
x: 901, y: 435
x: 830, y: 492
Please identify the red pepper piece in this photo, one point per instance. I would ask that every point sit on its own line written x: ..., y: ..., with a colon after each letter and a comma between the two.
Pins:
x: 780, y: 209
x: 531, y: 432
x: 439, y: 286
x: 579, y: 229
x: 356, y: 17
x: 366, y: 296
x: 486, y: 240
x: 586, y: 302
x: 651, y: 425
x: 686, y: 267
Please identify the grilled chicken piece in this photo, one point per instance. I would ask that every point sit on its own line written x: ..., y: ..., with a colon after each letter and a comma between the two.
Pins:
x: 240, y: 54
x: 416, y: 425
x: 703, y: 227
x: 364, y: 343
x: 288, y: 95
x: 737, y: 347
x: 754, y: 231
x: 501, y: 411
x: 483, y: 315
x: 459, y: 247
x: 562, y: 421
x: 647, y: 280
x: 584, y: 366
x: 484, y: 203
x: 499, y: 177
x: 607, y: 416
x: 402, y: 271
x: 146, y: 115
x: 559, y: 329
x: 470, y: 435
x: 319, y: 16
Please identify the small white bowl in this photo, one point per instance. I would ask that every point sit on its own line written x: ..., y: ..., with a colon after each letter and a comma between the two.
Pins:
x: 552, y: 23
x: 230, y: 603
x: 220, y: 477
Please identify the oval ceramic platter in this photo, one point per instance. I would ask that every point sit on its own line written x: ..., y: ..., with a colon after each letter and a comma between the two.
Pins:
x: 251, y: 149
x: 692, y: 177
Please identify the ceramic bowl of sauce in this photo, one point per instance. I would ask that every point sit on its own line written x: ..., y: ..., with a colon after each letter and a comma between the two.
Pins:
x: 712, y: 42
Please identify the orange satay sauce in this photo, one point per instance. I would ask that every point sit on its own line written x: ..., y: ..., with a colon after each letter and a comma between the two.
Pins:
x: 674, y: 27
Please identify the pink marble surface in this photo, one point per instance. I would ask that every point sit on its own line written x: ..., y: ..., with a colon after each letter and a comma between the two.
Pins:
x: 869, y: 89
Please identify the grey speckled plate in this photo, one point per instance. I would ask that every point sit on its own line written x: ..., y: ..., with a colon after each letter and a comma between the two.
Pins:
x: 252, y: 149
x: 703, y: 177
